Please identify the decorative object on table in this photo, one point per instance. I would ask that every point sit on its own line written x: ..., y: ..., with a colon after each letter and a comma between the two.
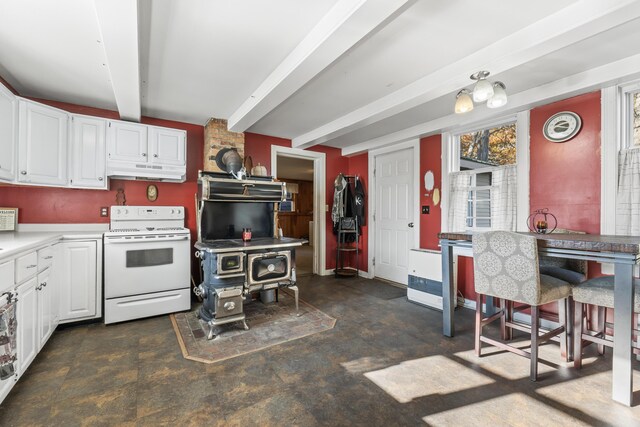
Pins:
x: 152, y: 193
x: 271, y: 324
x: 259, y: 170
x: 494, y: 94
x: 8, y: 219
x: 538, y: 221
x: 218, y: 137
x: 121, y: 199
x: 248, y: 164
x: 562, y: 126
x: 246, y: 234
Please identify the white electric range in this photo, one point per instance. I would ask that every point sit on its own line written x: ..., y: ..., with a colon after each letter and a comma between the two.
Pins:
x: 146, y: 263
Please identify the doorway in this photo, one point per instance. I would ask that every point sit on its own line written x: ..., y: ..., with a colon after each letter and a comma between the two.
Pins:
x: 395, y: 216
x: 301, y: 215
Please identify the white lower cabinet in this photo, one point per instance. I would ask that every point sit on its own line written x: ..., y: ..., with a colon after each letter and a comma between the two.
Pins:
x: 27, y: 314
x: 78, y: 279
x: 45, y: 307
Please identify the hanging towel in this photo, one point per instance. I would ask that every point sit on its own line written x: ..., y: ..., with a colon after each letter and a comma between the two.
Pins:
x: 8, y: 349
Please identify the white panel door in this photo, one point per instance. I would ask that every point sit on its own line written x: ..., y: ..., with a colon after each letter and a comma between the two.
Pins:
x: 88, y: 152
x: 8, y: 134
x: 167, y: 146
x: 77, y: 283
x: 127, y: 142
x: 27, y: 316
x: 394, y: 214
x: 42, y: 148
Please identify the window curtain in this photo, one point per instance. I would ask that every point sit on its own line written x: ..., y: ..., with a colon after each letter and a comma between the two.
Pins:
x: 503, y: 198
x: 628, y: 197
x: 458, y: 199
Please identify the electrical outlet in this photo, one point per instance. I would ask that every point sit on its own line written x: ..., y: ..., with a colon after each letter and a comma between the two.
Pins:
x: 425, y: 209
x: 104, y: 211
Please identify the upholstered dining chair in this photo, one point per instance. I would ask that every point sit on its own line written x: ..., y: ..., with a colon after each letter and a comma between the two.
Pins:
x: 597, y: 292
x: 506, y: 267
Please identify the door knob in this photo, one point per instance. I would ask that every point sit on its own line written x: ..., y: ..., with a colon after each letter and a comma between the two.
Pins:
x: 23, y: 172
x: 410, y: 225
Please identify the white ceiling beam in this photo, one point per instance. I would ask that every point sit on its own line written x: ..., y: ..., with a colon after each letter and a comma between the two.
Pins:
x: 596, y: 78
x: 348, y: 22
x: 118, y: 22
x: 581, y: 20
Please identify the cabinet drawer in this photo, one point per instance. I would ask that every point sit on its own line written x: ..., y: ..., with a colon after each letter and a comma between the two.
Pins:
x: 26, y: 267
x: 45, y: 258
x: 7, y: 276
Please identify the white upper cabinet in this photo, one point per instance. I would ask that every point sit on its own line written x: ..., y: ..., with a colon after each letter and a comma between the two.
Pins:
x: 8, y: 134
x: 127, y: 142
x: 42, y: 146
x: 167, y: 146
x: 88, y: 152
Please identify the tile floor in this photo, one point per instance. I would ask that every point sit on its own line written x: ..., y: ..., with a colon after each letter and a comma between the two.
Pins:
x: 385, y: 363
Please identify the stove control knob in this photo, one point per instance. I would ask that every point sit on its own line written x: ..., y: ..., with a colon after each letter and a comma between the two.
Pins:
x: 229, y: 305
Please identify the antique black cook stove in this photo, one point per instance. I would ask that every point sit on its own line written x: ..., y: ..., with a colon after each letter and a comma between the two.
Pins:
x: 234, y: 268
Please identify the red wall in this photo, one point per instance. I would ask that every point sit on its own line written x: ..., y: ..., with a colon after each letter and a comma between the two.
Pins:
x: 565, y: 177
x: 64, y: 205
x: 430, y: 160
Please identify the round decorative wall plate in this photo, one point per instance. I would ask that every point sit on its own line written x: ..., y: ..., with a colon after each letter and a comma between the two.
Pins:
x: 562, y: 126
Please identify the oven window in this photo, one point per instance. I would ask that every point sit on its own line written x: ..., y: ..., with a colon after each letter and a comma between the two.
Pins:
x: 149, y: 257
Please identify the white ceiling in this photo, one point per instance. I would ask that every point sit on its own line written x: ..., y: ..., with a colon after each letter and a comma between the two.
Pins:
x: 346, y: 73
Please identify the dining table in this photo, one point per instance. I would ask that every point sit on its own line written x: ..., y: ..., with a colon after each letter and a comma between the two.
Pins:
x: 623, y: 252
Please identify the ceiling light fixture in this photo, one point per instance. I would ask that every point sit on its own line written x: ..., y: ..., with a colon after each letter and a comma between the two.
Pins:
x: 493, y: 93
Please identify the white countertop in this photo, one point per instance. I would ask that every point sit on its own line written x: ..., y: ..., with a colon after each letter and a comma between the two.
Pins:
x: 12, y: 243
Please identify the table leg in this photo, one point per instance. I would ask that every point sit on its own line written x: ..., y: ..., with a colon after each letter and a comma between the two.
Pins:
x: 448, y: 296
x: 489, y: 306
x: 623, y: 318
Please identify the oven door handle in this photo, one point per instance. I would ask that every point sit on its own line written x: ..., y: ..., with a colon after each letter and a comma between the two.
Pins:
x: 146, y: 239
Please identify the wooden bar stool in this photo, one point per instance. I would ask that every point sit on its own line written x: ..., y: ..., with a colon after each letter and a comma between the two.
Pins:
x: 506, y: 266
x: 597, y: 292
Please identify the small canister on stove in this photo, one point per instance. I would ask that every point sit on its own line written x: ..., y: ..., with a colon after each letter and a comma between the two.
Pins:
x: 246, y: 234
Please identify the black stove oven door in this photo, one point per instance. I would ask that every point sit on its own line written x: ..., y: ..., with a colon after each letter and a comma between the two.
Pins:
x: 269, y: 267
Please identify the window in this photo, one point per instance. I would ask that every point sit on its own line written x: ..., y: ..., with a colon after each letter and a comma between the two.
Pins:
x: 479, y: 201
x: 634, y: 134
x: 481, y: 151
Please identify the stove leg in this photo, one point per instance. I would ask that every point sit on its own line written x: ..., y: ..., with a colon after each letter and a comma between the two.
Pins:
x: 246, y: 327
x: 295, y: 294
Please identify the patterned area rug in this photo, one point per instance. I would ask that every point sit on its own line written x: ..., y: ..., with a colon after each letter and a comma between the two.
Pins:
x: 269, y: 324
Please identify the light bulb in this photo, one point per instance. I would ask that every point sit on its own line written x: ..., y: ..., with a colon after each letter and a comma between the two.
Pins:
x: 499, y: 97
x: 464, y: 104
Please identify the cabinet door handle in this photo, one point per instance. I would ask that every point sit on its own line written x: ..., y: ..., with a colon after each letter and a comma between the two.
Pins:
x: 144, y: 154
x: 43, y: 284
x: 23, y: 172
x: 155, y: 155
x: 32, y: 266
x: 100, y: 178
x: 48, y: 257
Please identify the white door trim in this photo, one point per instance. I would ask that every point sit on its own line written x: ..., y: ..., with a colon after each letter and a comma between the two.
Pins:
x: 415, y: 145
x: 319, y: 197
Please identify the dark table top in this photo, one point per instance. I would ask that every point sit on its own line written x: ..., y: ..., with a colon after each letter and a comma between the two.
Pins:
x: 582, y: 242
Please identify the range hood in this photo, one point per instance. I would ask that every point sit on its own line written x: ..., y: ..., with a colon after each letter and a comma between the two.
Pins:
x: 146, y: 171
x: 222, y: 189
